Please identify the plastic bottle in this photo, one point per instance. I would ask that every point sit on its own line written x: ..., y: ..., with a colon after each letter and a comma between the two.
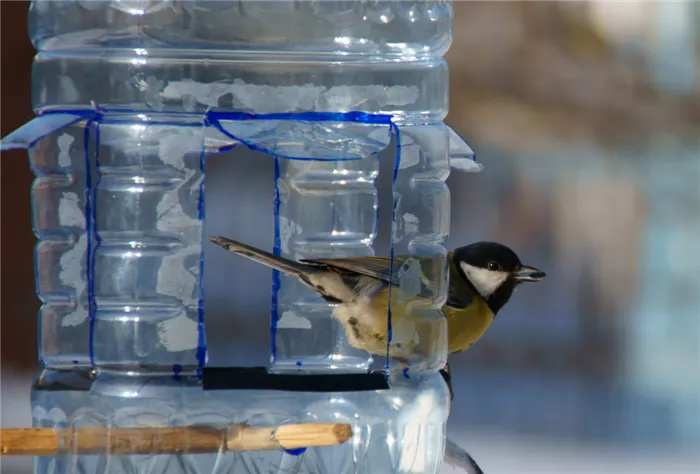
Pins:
x: 131, y: 97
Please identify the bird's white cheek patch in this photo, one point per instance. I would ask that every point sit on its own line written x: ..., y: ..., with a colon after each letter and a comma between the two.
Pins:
x: 485, y: 281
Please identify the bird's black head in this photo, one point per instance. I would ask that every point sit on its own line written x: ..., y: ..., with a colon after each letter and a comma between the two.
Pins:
x: 494, y: 271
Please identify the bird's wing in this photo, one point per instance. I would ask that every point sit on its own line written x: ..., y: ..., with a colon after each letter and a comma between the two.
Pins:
x: 460, y: 295
x: 375, y: 267
x: 380, y: 268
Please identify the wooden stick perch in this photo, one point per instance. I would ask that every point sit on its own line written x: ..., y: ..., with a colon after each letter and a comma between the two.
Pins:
x: 169, y: 440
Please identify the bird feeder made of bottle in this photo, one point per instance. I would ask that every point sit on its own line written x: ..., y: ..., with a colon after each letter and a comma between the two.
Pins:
x: 119, y: 148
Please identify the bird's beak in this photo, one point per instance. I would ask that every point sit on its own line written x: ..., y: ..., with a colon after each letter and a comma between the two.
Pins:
x: 529, y: 274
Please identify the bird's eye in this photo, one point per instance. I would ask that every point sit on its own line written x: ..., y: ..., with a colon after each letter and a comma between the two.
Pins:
x: 494, y: 266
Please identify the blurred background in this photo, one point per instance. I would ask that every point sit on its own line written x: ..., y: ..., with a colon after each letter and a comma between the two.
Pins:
x: 586, y: 116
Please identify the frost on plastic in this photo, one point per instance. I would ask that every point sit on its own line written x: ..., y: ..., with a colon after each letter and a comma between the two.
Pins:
x: 269, y: 99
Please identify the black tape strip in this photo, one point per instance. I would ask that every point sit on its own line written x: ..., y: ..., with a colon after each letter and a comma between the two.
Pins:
x: 257, y: 378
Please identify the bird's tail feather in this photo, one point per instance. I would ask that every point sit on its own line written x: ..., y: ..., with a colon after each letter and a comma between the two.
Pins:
x: 278, y: 263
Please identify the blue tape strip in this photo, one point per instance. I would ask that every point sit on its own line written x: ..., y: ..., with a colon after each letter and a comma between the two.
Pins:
x: 90, y: 269
x: 95, y: 234
x: 397, y: 164
x: 214, y: 117
x: 277, y: 246
x: 201, y: 353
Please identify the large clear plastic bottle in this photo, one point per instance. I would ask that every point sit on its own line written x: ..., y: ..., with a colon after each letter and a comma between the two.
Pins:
x: 132, y: 97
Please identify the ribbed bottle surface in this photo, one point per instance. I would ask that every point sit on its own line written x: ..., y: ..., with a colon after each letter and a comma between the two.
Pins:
x: 120, y: 234
x: 130, y: 247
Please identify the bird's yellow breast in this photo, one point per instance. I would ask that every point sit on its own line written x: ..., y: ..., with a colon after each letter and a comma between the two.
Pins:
x: 467, y: 325
x: 365, y: 323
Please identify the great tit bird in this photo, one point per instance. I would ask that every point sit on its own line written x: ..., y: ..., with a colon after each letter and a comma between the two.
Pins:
x: 482, y: 278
